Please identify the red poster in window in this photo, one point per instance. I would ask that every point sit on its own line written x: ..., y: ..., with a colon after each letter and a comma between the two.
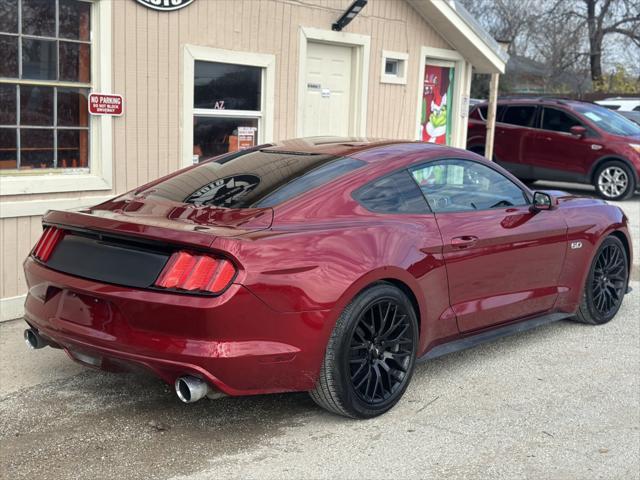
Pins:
x: 106, y: 104
x: 436, y: 104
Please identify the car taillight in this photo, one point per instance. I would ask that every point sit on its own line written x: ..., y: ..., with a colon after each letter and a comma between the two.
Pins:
x: 47, y: 243
x: 194, y: 272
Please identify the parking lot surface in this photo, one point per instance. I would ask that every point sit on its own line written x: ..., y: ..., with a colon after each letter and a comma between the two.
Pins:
x: 558, y: 402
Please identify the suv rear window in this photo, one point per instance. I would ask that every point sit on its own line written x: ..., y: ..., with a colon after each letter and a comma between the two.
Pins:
x: 252, y: 178
x: 522, y: 115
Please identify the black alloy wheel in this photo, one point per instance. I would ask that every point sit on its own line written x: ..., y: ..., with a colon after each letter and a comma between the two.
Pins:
x: 371, y: 354
x: 609, y: 280
x: 380, y: 351
x: 606, y: 283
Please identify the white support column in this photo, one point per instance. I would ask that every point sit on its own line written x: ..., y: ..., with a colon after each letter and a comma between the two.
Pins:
x: 491, y: 116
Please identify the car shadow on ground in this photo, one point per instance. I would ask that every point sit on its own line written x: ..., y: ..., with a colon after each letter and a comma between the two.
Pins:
x: 133, y: 426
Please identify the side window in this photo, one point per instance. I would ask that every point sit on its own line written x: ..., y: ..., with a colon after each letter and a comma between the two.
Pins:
x: 485, y: 109
x: 464, y: 185
x: 396, y: 193
x: 522, y: 115
x: 558, y: 121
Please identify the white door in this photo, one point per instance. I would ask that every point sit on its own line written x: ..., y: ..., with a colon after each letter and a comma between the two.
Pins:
x: 327, y: 100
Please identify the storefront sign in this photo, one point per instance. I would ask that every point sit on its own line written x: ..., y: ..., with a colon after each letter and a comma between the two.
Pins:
x: 106, y: 104
x: 165, y: 5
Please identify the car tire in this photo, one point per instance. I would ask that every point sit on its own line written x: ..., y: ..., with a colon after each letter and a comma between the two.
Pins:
x: 606, y: 283
x: 614, y: 180
x: 370, y: 356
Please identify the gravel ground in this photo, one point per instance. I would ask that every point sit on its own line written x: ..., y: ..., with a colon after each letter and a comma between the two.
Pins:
x: 561, y: 401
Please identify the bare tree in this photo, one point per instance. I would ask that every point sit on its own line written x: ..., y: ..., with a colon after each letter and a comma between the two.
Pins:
x: 609, y: 17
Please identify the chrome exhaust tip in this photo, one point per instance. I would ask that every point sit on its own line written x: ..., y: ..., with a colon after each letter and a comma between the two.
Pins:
x: 191, y: 389
x: 33, y: 339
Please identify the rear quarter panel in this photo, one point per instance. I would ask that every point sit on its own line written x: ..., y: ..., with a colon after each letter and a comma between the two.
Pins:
x: 324, y: 265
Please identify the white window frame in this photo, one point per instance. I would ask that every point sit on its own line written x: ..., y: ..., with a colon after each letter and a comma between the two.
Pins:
x: 100, y: 173
x: 193, y: 53
x: 361, y: 45
x: 461, y: 90
x: 403, y: 61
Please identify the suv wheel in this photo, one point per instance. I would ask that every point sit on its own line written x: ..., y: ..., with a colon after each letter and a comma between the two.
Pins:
x: 614, y: 181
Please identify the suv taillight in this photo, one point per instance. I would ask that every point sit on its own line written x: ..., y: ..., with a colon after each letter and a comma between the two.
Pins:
x: 47, y: 243
x: 196, y: 273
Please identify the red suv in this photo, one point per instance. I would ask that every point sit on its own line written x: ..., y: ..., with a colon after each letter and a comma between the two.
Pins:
x: 563, y: 140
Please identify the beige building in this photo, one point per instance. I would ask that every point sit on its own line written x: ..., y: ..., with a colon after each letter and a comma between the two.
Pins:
x: 202, y: 77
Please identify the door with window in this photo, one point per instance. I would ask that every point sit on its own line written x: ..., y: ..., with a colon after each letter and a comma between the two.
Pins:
x: 557, y: 154
x: 328, y: 90
x: 488, y: 229
x: 514, y: 135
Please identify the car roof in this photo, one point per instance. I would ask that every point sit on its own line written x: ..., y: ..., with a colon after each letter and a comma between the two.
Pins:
x: 538, y: 101
x: 338, y: 146
x: 366, y: 149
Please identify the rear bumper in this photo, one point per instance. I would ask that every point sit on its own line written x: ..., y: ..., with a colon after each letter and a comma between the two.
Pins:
x: 234, y: 342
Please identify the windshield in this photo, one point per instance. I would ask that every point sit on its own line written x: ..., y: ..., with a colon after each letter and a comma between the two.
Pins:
x: 609, y: 121
x: 253, y: 178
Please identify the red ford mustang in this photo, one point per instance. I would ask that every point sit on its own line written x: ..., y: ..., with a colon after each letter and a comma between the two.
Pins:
x: 323, y: 265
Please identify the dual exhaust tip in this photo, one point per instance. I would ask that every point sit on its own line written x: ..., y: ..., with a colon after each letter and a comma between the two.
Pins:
x: 34, y: 340
x: 189, y: 389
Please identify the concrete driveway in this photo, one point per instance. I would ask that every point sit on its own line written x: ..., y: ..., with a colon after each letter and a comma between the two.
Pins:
x: 559, y: 402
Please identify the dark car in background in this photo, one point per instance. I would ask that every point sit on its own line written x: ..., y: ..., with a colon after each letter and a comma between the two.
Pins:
x: 563, y: 140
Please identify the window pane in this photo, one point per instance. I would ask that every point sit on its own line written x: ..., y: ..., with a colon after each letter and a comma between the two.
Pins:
x: 9, y: 16
x: 36, y: 148
x: 73, y: 148
x: 215, y: 136
x: 75, y: 64
x: 39, y: 59
x: 8, y: 151
x: 313, y: 179
x: 225, y: 86
x: 558, y: 121
x: 7, y: 104
x: 520, y: 115
x: 9, y: 49
x: 396, y: 193
x: 36, y: 105
x: 39, y: 17
x: 75, y: 20
x: 72, y: 107
x: 462, y: 185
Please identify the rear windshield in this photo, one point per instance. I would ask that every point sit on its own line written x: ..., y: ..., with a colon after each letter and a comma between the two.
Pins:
x: 259, y: 178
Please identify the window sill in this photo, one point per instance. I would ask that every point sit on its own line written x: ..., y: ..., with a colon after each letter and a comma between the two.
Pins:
x: 51, y: 183
x: 393, y: 79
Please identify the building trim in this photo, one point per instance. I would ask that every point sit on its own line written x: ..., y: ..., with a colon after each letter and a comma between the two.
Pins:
x: 33, y: 208
x: 191, y: 53
x: 100, y: 176
x: 12, y: 308
x: 362, y: 47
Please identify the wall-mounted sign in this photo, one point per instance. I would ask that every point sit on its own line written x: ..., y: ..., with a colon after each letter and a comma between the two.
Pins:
x: 106, y: 104
x: 165, y: 5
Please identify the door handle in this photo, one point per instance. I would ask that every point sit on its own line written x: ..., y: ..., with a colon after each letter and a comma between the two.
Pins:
x: 465, y: 241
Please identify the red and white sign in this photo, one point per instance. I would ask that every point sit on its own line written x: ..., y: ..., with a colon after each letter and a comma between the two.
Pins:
x: 106, y: 104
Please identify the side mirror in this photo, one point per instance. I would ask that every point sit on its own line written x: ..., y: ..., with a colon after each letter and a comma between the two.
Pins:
x: 578, y: 131
x: 542, y: 201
